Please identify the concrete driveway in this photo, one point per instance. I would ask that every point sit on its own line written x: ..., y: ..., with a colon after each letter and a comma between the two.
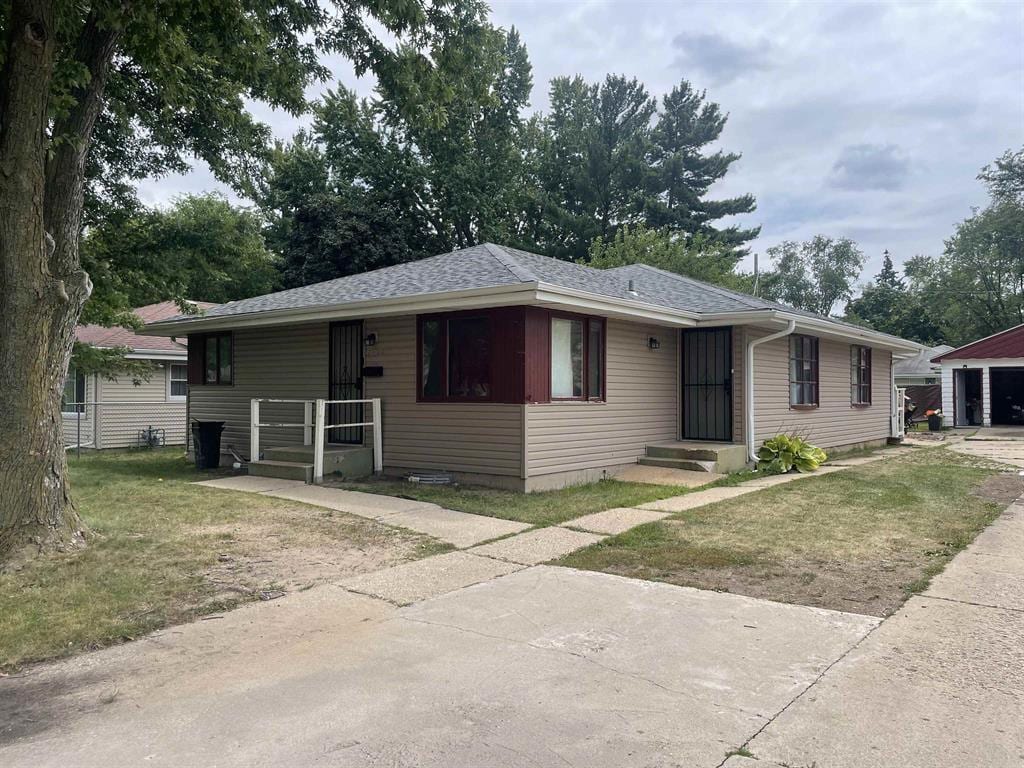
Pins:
x: 547, y: 666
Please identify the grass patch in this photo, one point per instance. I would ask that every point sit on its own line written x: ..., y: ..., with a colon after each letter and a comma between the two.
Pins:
x: 859, y: 540
x: 164, y: 551
x: 541, y: 508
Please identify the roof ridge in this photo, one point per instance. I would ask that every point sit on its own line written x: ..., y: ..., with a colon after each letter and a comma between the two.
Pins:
x: 509, y: 262
x: 742, y: 297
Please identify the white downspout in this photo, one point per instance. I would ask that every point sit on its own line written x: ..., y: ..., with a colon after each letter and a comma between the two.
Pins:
x: 748, y: 384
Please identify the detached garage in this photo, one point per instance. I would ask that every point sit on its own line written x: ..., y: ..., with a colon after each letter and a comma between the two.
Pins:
x: 983, y: 382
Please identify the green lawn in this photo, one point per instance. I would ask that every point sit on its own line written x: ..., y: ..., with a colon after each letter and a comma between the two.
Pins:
x: 164, y: 551
x: 860, y: 540
x: 540, y: 508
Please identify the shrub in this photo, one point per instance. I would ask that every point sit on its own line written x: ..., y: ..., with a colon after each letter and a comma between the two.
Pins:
x: 784, y: 453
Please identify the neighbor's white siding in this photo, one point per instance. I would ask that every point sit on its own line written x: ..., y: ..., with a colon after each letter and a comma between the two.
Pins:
x: 125, y: 410
x: 835, y: 422
x: 641, y: 407
x: 86, y: 420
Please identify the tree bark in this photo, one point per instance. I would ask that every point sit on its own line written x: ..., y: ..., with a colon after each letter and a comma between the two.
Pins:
x: 43, y: 287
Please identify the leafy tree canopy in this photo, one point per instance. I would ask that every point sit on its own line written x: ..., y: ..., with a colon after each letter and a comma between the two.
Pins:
x: 813, y: 275
x: 702, y: 258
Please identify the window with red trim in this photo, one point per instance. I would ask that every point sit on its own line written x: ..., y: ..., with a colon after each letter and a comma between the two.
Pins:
x: 455, y: 358
x: 577, y: 358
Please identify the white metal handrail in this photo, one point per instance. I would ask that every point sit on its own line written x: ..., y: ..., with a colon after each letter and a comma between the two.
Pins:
x: 315, y: 428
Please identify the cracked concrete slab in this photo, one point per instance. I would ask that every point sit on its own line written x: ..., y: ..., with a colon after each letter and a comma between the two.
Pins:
x: 614, y: 521
x: 538, y: 546
x: 459, y: 528
x: 938, y: 684
x: 421, y: 579
x: 251, y: 484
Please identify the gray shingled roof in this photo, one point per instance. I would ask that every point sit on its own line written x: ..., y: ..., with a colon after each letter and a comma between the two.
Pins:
x: 921, y: 365
x: 489, y: 266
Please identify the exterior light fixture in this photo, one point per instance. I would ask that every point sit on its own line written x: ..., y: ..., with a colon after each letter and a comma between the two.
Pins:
x: 370, y: 340
x: 653, y: 343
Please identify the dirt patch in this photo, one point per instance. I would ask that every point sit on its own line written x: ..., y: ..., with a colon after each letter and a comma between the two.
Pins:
x: 874, y: 589
x: 298, y: 549
x: 1004, y: 488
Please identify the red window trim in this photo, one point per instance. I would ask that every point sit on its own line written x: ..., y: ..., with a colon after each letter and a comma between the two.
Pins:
x: 443, y: 318
x: 587, y: 319
x: 817, y: 373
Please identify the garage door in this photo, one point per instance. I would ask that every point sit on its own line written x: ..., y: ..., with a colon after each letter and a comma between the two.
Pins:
x: 1007, y: 395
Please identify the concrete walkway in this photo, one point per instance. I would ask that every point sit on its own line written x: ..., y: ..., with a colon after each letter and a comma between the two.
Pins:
x: 488, y: 539
x: 458, y: 528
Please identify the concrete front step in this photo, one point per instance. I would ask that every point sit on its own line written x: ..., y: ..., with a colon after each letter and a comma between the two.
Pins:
x: 694, y: 465
x: 286, y: 470
x: 348, y: 461
x: 705, y: 457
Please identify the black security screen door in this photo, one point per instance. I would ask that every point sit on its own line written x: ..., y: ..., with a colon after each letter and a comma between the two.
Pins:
x: 707, y: 384
x: 346, y: 381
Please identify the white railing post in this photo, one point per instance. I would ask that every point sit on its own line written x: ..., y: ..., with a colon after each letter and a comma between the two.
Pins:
x: 307, y: 419
x: 254, y: 430
x: 318, y: 443
x: 378, y: 427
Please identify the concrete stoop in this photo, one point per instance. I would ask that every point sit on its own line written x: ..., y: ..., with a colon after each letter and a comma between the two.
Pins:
x: 295, y: 462
x: 721, y: 458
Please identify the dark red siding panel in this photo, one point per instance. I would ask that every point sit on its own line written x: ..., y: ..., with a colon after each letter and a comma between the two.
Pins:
x: 507, y: 354
x: 537, y: 355
x: 1009, y: 343
x: 196, y: 353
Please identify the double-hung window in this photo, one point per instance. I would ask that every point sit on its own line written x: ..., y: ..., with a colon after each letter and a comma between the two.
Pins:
x: 860, y: 375
x: 803, y: 371
x: 455, y: 358
x: 577, y: 358
x: 177, y: 381
x: 73, y: 398
x: 217, y: 359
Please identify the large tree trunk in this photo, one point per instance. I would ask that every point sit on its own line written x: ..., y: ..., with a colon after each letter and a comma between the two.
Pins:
x: 43, y: 287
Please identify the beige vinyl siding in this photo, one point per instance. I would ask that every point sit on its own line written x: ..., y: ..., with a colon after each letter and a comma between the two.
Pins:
x: 126, y: 409
x: 641, y: 407
x: 287, y: 362
x: 293, y: 362
x: 480, y: 438
x: 835, y: 422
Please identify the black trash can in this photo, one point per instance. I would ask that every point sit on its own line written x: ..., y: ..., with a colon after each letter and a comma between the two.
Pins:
x: 206, y: 443
x: 934, y: 422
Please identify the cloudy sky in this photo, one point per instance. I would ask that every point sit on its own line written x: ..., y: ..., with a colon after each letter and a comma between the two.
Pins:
x: 860, y: 120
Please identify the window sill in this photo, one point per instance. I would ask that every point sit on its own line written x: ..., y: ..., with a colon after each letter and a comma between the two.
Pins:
x: 568, y: 401
x: 804, y: 407
x: 860, y: 405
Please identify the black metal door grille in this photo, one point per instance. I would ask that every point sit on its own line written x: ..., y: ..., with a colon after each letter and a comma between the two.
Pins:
x: 707, y: 384
x: 346, y: 382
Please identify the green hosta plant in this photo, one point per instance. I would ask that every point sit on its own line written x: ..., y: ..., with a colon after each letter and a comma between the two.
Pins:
x: 784, y: 453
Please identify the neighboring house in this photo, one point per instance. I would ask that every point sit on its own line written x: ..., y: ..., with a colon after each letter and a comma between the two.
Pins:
x: 102, y: 413
x: 513, y: 369
x: 983, y: 382
x: 922, y: 379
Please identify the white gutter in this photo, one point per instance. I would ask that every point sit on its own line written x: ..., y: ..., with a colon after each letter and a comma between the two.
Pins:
x: 748, y: 383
